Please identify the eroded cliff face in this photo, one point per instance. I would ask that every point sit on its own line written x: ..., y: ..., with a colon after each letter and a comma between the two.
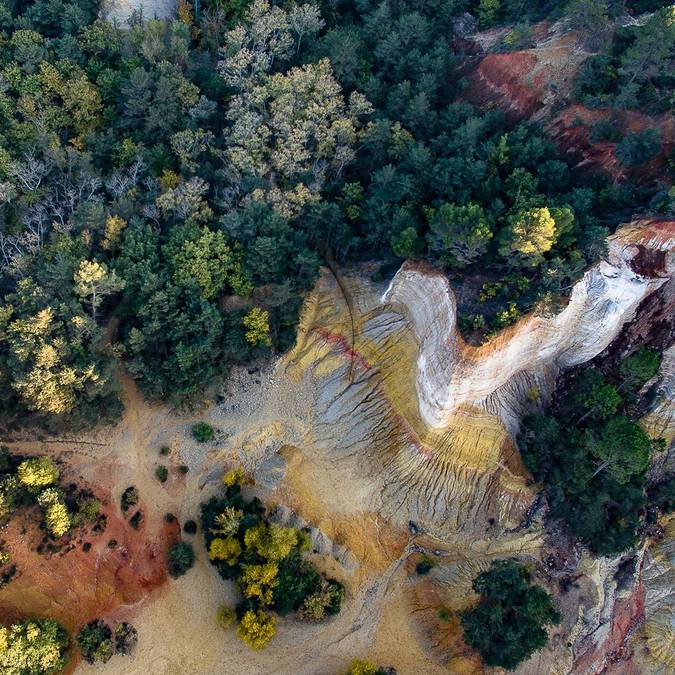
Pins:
x: 660, y: 419
x: 495, y: 376
x: 536, y: 83
x: 654, y: 641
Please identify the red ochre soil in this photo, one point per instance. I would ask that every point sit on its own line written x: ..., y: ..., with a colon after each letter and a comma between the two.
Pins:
x: 614, y: 655
x: 74, y: 586
x: 537, y: 82
x: 571, y: 130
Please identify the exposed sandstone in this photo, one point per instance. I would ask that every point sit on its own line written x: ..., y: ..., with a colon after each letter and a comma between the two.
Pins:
x: 121, y: 10
x: 493, y: 377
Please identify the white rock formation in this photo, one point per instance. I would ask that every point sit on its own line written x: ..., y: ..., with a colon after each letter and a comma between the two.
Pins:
x: 451, y: 373
x: 660, y: 420
x: 121, y: 10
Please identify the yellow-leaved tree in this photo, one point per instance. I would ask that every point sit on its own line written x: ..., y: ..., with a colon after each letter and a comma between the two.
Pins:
x: 58, y: 519
x: 271, y: 541
x: 93, y: 282
x: 44, y: 381
x: 257, y: 324
x: 33, y: 646
x: 257, y: 628
x: 259, y: 581
x: 38, y: 472
x: 227, y: 549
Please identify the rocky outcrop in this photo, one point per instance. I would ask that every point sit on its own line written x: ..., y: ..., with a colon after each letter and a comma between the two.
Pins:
x: 527, y: 83
x: 660, y: 420
x: 451, y: 374
x: 121, y: 10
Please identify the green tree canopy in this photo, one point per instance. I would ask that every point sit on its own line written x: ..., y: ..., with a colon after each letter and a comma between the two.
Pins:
x: 459, y: 234
x: 509, y: 623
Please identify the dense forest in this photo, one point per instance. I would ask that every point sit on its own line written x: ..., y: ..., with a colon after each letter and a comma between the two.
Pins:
x: 170, y: 189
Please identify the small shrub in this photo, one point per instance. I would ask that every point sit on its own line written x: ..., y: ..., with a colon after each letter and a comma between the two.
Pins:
x: 323, y: 602
x: 126, y: 637
x: 444, y: 614
x: 257, y: 629
x: 164, y: 451
x: 225, y: 616
x: 95, y: 642
x: 161, y: 473
x: 203, y: 432
x: 425, y: 565
x: 183, y: 468
x: 362, y: 667
x: 136, y: 519
x: 190, y: 527
x: 170, y: 518
x: 129, y: 498
x: 180, y: 559
x: 235, y: 476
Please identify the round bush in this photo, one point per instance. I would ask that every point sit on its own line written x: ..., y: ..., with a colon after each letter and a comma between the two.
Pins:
x: 203, y: 432
x: 180, y: 559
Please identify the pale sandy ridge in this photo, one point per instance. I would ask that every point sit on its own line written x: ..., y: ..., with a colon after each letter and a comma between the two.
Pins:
x: 121, y: 10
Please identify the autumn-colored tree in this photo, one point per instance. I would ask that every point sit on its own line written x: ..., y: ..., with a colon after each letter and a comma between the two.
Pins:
x: 93, y: 282
x: 227, y: 523
x: 257, y: 324
x: 259, y: 581
x: 37, y: 472
x: 530, y: 234
x: 33, y: 646
x: 114, y: 227
x: 271, y: 541
x: 57, y: 519
x: 46, y: 377
x: 257, y: 629
x: 227, y: 549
